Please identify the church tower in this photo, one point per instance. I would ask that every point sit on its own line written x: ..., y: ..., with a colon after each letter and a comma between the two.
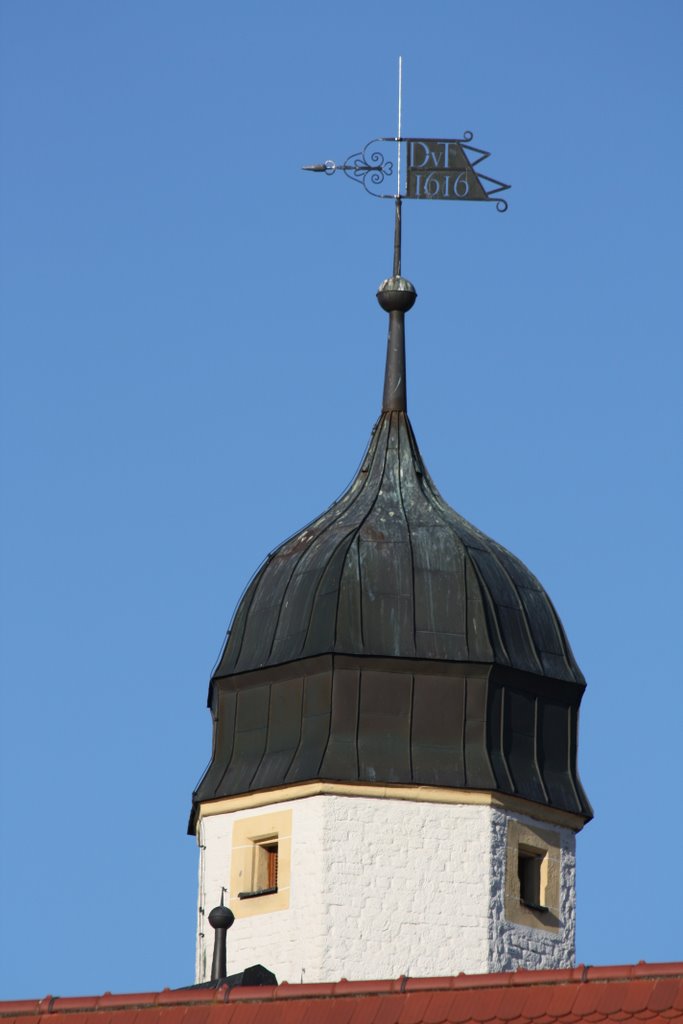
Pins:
x: 393, y: 786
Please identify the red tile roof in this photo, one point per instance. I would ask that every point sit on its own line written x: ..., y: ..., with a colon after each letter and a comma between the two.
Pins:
x: 581, y: 995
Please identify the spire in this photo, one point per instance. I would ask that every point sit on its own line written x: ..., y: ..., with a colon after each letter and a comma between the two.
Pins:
x: 396, y: 296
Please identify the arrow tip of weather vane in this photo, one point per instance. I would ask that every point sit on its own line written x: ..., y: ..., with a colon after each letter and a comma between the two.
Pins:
x: 314, y: 167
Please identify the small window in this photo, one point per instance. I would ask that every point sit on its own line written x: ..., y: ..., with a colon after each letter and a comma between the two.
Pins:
x: 263, y: 880
x: 261, y: 863
x: 529, y: 865
x: 533, y: 867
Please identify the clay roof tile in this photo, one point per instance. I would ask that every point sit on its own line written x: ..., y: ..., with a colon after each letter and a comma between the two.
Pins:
x: 561, y: 999
x: 469, y: 1006
x: 612, y: 997
x: 513, y: 1002
x: 388, y: 1010
x: 245, y: 1013
x: 364, y: 1010
x: 439, y: 1009
x: 663, y: 994
x: 636, y: 996
x: 414, y: 1007
x: 176, y: 1015
x: 587, y: 998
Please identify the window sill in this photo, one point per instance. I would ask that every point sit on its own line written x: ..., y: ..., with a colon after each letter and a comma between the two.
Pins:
x: 534, y: 906
x: 257, y: 892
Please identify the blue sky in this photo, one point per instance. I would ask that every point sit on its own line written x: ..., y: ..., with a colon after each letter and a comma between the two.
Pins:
x: 192, y: 362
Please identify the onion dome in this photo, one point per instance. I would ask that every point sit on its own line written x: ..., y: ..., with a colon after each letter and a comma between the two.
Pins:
x: 390, y: 641
x: 390, y: 570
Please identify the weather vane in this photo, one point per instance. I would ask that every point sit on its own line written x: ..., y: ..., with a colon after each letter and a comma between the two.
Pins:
x: 434, y: 169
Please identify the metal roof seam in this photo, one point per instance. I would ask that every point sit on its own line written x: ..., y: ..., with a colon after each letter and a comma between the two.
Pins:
x: 410, y: 538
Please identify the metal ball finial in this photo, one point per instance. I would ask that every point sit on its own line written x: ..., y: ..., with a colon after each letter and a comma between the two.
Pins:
x: 396, y: 295
x: 221, y: 917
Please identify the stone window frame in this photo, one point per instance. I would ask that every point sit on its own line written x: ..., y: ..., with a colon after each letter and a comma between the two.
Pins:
x: 528, y: 839
x: 247, y: 835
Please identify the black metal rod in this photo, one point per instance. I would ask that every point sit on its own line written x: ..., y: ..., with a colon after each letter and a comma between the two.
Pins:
x: 219, y: 967
x: 395, y: 396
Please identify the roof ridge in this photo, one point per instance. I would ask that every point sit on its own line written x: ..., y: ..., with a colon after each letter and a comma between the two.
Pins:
x: 579, y: 975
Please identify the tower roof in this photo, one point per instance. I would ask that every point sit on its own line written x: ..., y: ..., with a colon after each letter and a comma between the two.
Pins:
x: 391, y: 642
x: 391, y: 570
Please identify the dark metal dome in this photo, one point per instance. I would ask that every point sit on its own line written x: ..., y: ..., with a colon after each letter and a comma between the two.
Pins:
x: 390, y: 570
x: 391, y: 642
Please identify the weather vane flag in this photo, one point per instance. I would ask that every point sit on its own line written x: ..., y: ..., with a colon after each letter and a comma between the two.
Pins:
x: 431, y: 168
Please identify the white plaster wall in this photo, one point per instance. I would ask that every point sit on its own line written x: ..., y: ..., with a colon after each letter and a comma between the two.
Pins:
x: 407, y: 888
x: 288, y: 942
x: 383, y: 887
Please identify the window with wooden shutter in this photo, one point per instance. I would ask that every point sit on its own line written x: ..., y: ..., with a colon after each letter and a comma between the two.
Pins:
x: 263, y: 881
x: 261, y: 863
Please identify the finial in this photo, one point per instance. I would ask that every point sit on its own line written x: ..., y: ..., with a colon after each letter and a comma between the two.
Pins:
x: 221, y: 918
x: 396, y: 296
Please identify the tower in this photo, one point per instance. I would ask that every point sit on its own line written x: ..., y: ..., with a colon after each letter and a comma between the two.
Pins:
x: 393, y: 785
